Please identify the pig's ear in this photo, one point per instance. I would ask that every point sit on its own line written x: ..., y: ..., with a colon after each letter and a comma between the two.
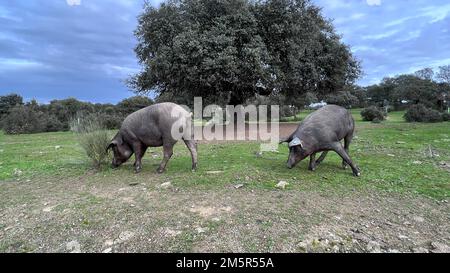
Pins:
x: 110, y: 146
x: 286, y: 140
x: 295, y: 142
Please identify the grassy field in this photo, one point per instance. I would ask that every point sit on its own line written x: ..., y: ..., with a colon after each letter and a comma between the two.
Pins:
x: 404, y: 166
x: 393, y: 156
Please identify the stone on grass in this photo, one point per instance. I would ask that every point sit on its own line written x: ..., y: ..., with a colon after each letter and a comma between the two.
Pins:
x: 214, y: 172
x: 108, y: 250
x: 373, y: 247
x: 440, y: 248
x: 282, y: 185
x: 201, y: 230
x: 73, y: 247
x: 166, y: 185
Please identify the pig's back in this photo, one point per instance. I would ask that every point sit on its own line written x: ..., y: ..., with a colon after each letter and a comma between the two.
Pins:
x: 330, y: 123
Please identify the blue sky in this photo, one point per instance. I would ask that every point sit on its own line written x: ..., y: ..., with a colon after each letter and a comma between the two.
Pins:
x: 56, y: 48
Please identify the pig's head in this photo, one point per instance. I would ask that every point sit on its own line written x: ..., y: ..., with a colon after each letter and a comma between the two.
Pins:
x: 297, y: 151
x: 122, y: 151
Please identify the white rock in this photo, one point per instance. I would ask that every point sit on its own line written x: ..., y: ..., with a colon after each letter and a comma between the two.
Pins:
x: 420, y: 250
x: 17, y: 172
x: 417, y: 162
x: 373, y: 247
x: 214, y: 172
x: 440, y: 248
x: 418, y: 219
x: 238, y: 186
x: 282, y: 185
x: 124, y: 236
x: 201, y: 230
x: 166, y: 185
x: 48, y: 209
x: 108, y: 250
x: 57, y: 147
x: 73, y: 247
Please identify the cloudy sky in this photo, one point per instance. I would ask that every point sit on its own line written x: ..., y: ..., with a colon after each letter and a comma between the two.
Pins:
x: 84, y: 48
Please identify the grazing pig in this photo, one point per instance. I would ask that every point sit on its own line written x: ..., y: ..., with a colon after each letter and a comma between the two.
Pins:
x: 322, y: 131
x: 153, y: 126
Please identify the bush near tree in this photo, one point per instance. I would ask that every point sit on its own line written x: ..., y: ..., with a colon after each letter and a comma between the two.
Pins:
x: 19, y: 118
x: 421, y: 113
x: 373, y: 114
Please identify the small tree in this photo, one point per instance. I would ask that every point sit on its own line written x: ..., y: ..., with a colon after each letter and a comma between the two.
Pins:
x: 444, y: 74
x: 425, y: 74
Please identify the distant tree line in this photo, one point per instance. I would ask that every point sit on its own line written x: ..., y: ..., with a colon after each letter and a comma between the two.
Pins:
x: 18, y: 117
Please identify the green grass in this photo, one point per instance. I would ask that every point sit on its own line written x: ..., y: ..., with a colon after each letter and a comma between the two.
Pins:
x: 387, y: 154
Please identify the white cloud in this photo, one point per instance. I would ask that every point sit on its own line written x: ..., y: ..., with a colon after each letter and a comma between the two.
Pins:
x: 335, y: 4
x: 7, y: 64
x: 436, y: 13
x: 73, y: 2
x: 373, y: 2
x: 119, y: 71
x: 381, y: 35
x: 410, y: 36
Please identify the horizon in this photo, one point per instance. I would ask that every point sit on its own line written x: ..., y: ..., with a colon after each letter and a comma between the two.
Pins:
x: 75, y: 48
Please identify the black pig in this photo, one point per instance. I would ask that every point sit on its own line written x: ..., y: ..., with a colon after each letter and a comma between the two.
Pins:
x: 153, y: 126
x: 322, y: 131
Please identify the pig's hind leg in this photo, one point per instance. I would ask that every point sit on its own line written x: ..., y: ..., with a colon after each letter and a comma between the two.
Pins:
x: 192, y: 146
x: 347, y: 140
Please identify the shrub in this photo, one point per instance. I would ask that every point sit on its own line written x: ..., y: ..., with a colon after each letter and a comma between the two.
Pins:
x: 23, y: 120
x: 373, y: 114
x: 420, y: 113
x: 446, y: 116
x: 111, y: 121
x: 93, y: 138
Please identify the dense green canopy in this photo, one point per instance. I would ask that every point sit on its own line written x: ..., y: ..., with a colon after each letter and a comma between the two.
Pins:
x: 227, y: 51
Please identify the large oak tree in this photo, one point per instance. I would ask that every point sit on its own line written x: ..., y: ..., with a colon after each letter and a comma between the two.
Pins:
x: 227, y: 51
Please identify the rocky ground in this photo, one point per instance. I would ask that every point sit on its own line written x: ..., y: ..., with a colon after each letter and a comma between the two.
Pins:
x: 85, y: 215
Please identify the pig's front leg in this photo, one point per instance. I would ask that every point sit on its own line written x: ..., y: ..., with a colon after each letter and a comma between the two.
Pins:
x: 312, y: 162
x: 139, y: 151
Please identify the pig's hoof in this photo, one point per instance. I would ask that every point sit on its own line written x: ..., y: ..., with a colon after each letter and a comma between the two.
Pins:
x: 160, y: 171
x: 312, y: 169
x: 357, y: 174
x: 137, y: 170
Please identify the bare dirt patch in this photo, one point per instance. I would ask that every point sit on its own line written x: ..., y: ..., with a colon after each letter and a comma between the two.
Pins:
x: 80, y: 215
x: 285, y: 129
